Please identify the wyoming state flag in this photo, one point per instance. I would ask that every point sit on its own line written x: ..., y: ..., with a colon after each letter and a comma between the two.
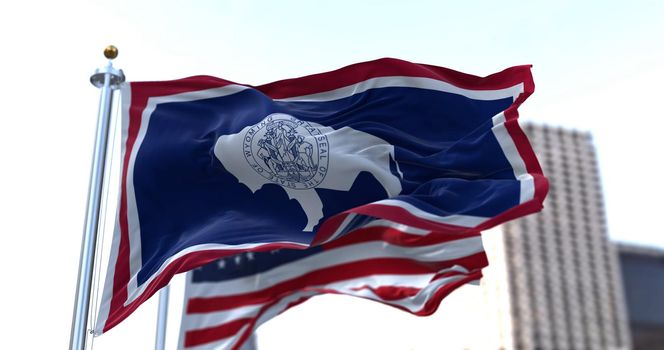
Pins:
x: 213, y: 168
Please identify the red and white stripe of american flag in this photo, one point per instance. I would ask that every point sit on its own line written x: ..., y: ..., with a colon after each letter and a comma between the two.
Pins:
x: 405, y: 267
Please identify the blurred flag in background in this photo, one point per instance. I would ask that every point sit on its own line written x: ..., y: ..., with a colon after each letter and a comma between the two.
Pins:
x: 408, y: 268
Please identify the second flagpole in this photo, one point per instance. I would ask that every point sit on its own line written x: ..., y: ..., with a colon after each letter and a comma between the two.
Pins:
x: 162, y: 319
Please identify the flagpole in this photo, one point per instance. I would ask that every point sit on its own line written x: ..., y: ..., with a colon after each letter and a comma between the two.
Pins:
x: 162, y: 318
x: 250, y: 344
x: 107, y: 79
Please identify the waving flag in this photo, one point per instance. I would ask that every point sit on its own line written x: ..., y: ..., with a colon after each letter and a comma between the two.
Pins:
x: 401, y: 266
x: 213, y: 168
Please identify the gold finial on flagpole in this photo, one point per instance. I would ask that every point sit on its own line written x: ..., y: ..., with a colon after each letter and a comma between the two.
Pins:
x: 116, y: 76
x: 111, y: 52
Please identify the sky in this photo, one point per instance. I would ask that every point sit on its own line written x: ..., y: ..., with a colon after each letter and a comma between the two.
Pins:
x: 598, y: 67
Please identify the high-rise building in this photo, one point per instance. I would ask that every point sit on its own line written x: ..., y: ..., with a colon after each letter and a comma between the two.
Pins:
x: 554, y: 281
x: 643, y: 278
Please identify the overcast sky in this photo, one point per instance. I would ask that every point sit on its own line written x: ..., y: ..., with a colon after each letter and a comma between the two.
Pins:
x: 598, y: 67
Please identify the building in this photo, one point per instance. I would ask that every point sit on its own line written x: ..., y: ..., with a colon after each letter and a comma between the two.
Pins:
x: 554, y: 280
x: 643, y: 279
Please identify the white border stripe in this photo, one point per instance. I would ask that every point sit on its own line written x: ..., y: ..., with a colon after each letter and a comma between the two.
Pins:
x: 409, y: 82
x: 527, y: 191
x: 107, y: 293
x: 397, y: 226
x: 394, y: 81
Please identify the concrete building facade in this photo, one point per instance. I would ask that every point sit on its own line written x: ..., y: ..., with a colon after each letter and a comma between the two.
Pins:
x: 553, y: 280
x: 643, y: 278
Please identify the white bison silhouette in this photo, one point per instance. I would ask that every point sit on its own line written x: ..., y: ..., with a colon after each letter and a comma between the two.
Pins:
x: 300, y: 156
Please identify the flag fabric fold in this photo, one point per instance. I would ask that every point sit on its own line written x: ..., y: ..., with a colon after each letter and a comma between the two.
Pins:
x: 214, y: 169
x: 404, y: 267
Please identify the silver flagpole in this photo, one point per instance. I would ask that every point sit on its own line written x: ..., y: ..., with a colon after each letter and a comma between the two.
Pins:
x: 108, y: 79
x: 162, y: 318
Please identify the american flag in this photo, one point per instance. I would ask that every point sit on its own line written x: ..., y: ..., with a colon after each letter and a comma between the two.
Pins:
x: 408, y: 268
